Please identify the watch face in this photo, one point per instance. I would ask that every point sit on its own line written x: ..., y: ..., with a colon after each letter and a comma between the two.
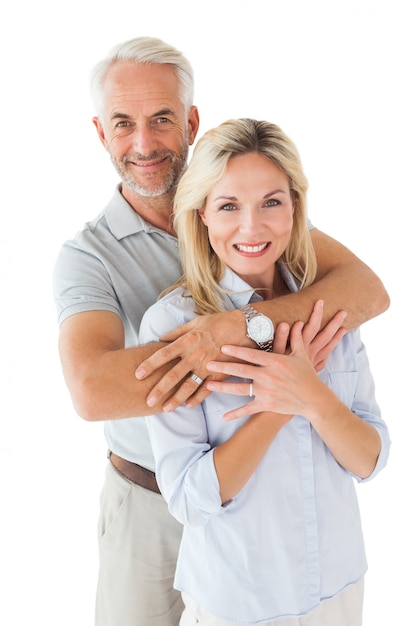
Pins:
x: 261, y: 328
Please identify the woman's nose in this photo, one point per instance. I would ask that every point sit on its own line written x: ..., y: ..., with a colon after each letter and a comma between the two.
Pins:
x: 250, y: 220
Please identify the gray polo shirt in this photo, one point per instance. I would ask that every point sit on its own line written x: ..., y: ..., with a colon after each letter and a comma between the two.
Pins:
x: 118, y: 263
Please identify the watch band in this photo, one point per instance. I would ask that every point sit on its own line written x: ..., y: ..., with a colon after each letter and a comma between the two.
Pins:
x: 249, y: 312
x: 266, y: 346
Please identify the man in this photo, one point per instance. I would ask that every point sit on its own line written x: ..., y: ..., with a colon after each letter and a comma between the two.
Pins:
x: 104, y: 280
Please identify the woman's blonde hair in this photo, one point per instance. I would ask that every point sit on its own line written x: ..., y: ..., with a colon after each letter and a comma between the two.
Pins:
x: 202, y: 267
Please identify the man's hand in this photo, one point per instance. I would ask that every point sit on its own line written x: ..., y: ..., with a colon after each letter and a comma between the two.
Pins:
x: 194, y: 344
x: 197, y: 343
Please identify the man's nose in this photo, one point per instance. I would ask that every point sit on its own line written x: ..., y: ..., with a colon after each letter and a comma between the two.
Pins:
x: 144, y: 141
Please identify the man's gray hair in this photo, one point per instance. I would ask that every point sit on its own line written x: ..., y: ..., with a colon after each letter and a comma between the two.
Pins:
x: 144, y: 50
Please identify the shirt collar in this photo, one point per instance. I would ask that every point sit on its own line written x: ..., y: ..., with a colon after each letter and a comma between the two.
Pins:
x: 123, y: 219
x: 241, y: 293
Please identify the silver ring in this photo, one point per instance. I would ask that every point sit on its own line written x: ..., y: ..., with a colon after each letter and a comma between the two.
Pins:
x: 251, y: 390
x: 196, y: 378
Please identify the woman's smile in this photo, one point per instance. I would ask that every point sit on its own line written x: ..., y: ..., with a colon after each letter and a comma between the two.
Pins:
x: 251, y: 249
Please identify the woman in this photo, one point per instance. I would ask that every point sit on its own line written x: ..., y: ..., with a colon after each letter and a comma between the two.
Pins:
x: 272, y: 529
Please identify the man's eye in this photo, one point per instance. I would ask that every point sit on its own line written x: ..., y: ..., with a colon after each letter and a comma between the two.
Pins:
x: 162, y: 120
x: 123, y: 124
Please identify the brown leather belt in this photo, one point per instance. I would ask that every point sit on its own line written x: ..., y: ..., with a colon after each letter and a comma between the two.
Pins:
x: 135, y: 473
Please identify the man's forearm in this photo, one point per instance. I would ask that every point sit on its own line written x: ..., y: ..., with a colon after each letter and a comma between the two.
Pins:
x: 105, y: 387
x: 361, y: 295
x: 344, y: 282
x: 356, y: 290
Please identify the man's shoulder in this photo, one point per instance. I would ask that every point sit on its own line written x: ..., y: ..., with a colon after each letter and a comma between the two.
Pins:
x: 92, y: 229
x: 113, y: 222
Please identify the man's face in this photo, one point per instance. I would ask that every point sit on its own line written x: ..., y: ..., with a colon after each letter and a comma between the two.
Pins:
x: 145, y: 128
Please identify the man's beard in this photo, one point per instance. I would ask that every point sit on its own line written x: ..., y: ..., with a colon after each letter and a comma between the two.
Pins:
x: 157, y: 187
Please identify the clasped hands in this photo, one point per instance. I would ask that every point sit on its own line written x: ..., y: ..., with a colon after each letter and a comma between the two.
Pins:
x: 203, y: 348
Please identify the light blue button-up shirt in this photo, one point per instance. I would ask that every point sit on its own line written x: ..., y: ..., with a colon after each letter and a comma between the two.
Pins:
x: 292, y: 536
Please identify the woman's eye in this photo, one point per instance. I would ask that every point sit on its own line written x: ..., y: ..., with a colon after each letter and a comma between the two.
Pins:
x: 272, y: 202
x: 227, y: 207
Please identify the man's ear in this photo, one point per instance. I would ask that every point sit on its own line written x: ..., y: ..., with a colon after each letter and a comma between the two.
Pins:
x: 100, y: 131
x: 193, y: 124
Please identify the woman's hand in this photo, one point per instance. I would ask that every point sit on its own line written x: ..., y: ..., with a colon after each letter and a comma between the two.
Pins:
x: 285, y: 380
x: 319, y: 344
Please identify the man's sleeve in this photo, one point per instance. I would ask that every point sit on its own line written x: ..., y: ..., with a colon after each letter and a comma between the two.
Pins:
x: 81, y: 283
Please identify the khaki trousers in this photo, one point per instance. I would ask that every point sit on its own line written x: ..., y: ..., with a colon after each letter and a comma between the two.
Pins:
x: 138, y: 549
x: 343, y: 610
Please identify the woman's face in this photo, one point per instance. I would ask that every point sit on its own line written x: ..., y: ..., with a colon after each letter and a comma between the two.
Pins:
x: 249, y: 217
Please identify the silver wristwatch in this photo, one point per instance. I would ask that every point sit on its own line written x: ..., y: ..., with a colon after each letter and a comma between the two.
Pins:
x: 259, y: 327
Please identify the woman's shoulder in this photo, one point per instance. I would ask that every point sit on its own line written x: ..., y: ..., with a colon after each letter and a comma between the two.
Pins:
x: 178, y: 299
x: 169, y: 312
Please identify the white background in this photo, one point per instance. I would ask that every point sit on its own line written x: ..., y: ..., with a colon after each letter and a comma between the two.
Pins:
x: 340, y: 78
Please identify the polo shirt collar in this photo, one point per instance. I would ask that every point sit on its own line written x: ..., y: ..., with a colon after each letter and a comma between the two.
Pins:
x: 123, y: 220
